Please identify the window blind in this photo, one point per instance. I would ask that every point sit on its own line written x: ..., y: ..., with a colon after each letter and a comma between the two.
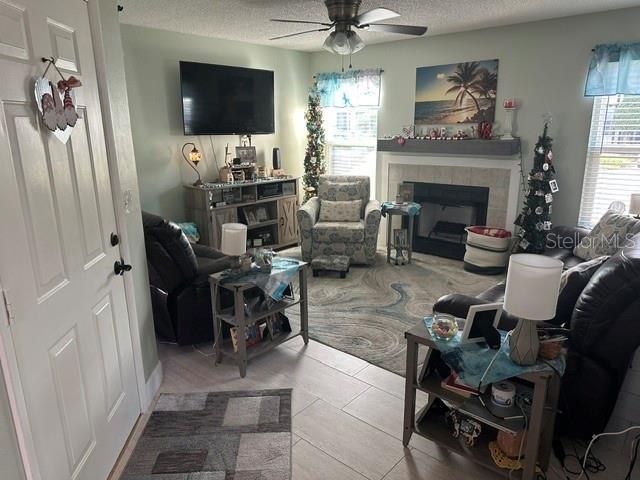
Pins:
x: 351, y: 139
x: 612, y: 171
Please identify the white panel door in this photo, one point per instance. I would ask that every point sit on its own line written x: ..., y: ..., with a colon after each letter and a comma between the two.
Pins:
x: 71, y: 327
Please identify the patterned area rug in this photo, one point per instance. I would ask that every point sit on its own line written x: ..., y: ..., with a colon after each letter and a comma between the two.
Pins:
x: 216, y: 436
x: 367, y: 313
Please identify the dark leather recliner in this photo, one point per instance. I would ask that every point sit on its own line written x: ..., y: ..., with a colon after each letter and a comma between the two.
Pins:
x: 604, y: 330
x: 178, y: 278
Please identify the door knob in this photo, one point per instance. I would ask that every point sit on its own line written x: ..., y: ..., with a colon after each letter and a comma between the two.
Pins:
x: 119, y: 267
x: 115, y: 240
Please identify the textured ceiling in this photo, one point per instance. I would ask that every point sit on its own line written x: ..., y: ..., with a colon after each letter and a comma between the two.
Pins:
x: 248, y: 20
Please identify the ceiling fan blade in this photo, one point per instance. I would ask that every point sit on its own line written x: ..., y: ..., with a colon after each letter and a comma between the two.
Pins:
x: 375, y: 15
x: 403, y: 29
x: 301, y: 21
x: 301, y: 33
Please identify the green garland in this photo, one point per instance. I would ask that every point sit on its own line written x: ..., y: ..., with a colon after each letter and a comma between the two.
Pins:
x: 314, y: 155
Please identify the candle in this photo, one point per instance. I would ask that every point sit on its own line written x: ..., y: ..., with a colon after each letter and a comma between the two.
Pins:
x: 509, y: 103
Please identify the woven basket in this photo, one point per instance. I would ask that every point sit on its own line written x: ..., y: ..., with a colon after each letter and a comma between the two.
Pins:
x: 510, y: 443
x: 550, y: 350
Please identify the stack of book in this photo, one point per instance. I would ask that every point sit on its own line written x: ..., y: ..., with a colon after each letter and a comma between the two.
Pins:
x: 454, y: 384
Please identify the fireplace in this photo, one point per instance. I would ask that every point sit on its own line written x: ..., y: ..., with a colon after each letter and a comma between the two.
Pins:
x: 446, y: 211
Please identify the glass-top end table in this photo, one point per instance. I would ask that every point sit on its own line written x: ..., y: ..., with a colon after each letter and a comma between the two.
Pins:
x: 237, y: 317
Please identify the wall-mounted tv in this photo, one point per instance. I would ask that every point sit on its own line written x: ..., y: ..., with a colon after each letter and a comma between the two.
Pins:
x: 223, y: 100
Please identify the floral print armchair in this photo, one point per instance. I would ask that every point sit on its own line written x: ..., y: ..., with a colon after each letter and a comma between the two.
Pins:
x: 357, y: 240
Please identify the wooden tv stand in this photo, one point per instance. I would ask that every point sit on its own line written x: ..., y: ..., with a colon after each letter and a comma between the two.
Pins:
x: 268, y: 208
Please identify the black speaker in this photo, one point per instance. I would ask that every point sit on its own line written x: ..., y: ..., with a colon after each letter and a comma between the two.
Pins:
x: 277, y: 159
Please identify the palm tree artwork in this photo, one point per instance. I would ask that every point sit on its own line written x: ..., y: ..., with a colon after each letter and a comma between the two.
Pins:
x: 456, y: 93
x: 466, y: 81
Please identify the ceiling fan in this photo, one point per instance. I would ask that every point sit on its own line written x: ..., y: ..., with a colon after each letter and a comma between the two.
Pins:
x: 344, y: 18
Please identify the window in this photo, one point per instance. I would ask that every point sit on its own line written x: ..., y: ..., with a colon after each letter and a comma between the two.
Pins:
x: 612, y: 171
x: 351, y: 139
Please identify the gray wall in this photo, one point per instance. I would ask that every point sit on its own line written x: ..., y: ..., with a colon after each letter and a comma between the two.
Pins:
x: 542, y: 64
x: 153, y: 83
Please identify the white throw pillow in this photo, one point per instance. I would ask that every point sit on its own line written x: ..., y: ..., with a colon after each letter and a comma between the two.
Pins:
x: 340, y: 211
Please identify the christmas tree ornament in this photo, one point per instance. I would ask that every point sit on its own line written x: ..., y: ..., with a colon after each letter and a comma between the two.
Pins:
x: 524, y: 244
x: 549, y: 155
x: 539, y: 210
x: 539, y: 226
x: 401, y: 140
x: 540, y: 150
x: 553, y: 186
x: 545, y: 166
x: 548, y: 198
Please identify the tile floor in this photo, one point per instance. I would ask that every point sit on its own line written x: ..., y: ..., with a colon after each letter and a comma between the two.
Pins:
x: 347, y: 422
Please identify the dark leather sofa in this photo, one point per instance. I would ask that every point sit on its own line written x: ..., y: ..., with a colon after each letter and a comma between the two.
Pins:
x: 604, y: 328
x: 178, y: 278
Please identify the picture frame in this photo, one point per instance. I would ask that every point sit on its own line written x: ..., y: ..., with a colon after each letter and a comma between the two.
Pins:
x: 261, y: 214
x: 405, y: 192
x: 479, y: 316
x: 401, y: 238
x: 250, y: 216
x: 246, y: 155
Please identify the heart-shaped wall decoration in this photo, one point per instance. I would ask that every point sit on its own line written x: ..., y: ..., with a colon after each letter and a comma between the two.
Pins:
x: 51, y: 109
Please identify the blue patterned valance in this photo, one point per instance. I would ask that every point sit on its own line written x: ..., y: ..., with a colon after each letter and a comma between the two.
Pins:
x: 355, y: 88
x: 614, y: 69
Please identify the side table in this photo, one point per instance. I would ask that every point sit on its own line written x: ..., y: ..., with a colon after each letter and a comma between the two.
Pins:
x: 409, y: 210
x: 544, y: 392
x: 237, y: 317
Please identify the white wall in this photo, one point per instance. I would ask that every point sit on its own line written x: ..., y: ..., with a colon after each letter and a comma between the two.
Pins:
x: 542, y: 64
x: 153, y: 83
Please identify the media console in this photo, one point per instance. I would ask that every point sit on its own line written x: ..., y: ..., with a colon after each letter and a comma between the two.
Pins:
x: 268, y: 208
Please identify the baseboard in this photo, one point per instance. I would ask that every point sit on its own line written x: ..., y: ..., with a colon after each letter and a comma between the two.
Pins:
x: 153, y: 385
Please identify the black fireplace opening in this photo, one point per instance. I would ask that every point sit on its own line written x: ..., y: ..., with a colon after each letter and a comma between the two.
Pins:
x: 447, y: 210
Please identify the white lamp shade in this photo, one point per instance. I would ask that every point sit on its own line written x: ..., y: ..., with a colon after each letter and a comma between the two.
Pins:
x: 234, y: 239
x: 533, y: 283
x: 634, y: 204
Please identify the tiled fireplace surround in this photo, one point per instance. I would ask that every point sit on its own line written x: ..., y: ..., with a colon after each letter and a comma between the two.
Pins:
x: 500, y: 175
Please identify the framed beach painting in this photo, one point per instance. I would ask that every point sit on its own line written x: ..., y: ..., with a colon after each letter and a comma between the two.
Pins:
x: 456, y: 93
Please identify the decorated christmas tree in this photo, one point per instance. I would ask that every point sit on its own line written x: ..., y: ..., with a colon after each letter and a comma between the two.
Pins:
x: 535, y: 220
x: 314, y: 154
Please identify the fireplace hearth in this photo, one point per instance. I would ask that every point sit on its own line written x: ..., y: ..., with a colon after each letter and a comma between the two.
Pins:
x: 446, y: 211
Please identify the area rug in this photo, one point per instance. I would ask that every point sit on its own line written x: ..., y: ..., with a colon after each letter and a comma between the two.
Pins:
x: 215, y: 436
x: 367, y: 313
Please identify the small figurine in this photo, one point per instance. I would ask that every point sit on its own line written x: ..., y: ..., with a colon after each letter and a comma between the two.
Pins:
x: 464, y: 427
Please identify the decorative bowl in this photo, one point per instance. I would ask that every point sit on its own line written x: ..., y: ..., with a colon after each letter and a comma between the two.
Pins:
x: 444, y: 326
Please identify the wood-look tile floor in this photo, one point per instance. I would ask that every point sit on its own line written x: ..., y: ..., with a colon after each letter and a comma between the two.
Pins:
x: 347, y: 413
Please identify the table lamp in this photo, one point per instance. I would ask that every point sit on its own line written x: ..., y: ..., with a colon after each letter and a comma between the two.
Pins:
x: 194, y: 158
x: 234, y: 242
x: 533, y: 283
x: 634, y: 204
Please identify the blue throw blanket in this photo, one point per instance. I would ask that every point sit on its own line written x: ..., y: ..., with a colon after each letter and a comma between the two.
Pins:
x: 470, y: 360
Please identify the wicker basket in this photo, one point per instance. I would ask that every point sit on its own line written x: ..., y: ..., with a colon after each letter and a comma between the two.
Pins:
x: 510, y: 443
x: 550, y: 350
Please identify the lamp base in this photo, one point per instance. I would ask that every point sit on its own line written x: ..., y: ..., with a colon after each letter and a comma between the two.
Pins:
x: 198, y: 183
x: 523, y: 343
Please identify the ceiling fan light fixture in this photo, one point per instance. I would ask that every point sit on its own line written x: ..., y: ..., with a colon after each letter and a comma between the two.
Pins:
x: 343, y: 43
x: 355, y: 42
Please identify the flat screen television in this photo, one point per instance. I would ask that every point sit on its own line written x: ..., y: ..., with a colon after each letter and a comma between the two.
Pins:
x: 223, y: 100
